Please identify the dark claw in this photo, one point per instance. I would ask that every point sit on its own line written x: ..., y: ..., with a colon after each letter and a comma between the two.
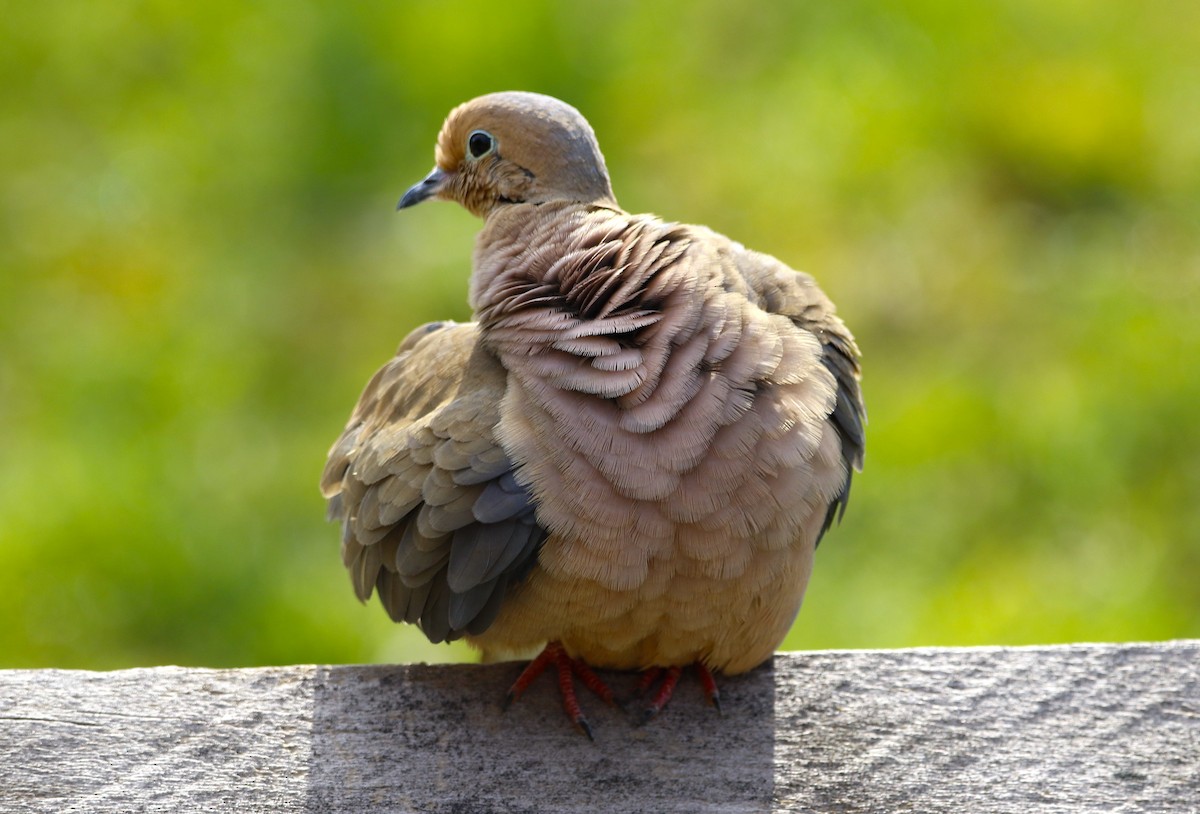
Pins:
x: 647, y: 715
x: 583, y: 726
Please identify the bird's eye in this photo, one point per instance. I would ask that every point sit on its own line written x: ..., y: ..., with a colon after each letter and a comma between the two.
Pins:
x: 480, y: 143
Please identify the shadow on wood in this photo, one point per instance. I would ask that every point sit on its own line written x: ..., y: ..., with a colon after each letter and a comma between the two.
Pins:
x: 1054, y: 729
x: 435, y: 739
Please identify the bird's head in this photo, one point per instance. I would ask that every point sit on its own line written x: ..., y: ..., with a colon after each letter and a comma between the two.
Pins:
x: 515, y: 147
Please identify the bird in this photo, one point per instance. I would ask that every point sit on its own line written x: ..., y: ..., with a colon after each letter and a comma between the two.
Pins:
x: 627, y: 458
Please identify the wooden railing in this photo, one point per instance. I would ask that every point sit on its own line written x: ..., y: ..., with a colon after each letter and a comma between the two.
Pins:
x: 1081, y: 728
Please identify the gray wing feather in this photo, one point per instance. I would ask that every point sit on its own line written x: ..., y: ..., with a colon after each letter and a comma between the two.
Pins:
x: 433, y: 517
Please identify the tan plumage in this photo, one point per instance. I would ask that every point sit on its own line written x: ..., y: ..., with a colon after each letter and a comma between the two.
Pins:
x: 633, y: 450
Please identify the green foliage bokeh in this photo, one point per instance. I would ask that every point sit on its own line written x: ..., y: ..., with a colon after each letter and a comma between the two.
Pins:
x: 200, y: 267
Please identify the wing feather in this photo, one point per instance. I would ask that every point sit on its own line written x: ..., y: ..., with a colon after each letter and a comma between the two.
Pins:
x: 434, y: 520
x: 795, y: 295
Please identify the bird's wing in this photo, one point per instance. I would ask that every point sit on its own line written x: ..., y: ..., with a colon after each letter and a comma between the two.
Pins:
x: 432, y: 517
x: 782, y: 290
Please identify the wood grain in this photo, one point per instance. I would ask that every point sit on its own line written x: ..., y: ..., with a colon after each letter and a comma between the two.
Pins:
x: 1046, y: 729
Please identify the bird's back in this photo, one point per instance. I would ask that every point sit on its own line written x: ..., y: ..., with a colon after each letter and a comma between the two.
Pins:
x: 671, y: 406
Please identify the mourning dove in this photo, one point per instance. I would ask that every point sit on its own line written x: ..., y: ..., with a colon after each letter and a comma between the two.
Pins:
x: 627, y: 460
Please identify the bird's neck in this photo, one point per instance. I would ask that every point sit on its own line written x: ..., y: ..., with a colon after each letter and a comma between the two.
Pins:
x: 583, y: 297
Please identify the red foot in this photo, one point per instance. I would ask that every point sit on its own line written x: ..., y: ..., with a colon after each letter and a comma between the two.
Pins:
x: 567, y: 669
x: 649, y: 676
x: 670, y: 678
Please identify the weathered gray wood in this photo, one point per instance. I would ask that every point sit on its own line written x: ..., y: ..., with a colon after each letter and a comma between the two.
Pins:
x: 1050, y: 729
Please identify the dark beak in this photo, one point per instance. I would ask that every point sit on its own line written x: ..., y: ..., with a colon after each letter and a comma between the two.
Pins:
x: 430, y: 186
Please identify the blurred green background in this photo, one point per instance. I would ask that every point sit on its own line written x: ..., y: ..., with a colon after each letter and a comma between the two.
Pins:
x: 200, y: 267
